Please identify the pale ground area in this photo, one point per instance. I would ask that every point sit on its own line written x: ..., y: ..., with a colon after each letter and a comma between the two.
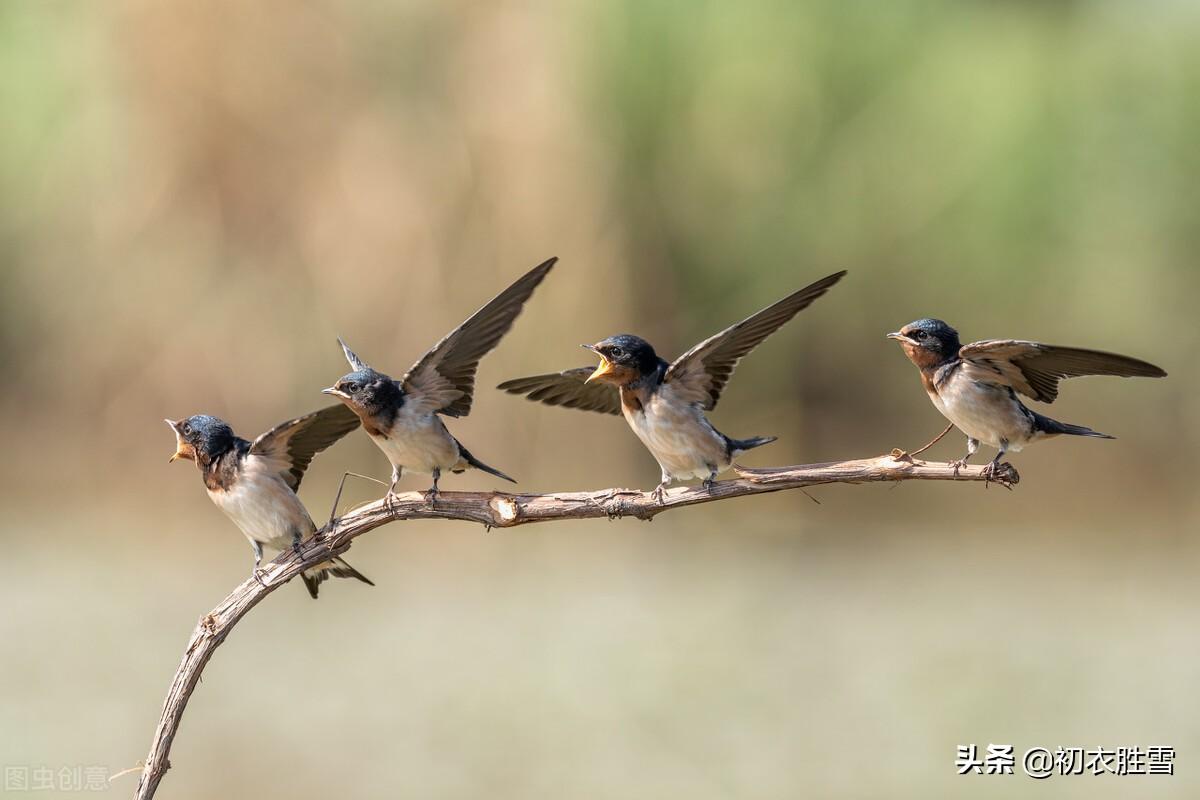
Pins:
x: 772, y: 656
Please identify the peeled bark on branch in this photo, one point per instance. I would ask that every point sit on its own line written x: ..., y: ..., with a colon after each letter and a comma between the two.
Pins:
x: 506, y: 510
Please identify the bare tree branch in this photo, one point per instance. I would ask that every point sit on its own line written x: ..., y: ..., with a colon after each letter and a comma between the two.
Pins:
x: 505, y: 510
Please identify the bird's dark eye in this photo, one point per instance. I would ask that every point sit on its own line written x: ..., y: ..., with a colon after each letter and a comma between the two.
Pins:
x: 351, y: 387
x: 616, y: 352
x: 187, y: 429
x: 921, y: 335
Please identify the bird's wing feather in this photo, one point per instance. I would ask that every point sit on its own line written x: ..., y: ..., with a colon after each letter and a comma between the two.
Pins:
x: 443, y: 381
x: 1034, y: 369
x: 567, y: 388
x: 289, y: 448
x: 700, y: 374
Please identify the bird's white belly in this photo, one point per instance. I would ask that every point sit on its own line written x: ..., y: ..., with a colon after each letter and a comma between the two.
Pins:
x: 680, y: 439
x: 983, y: 411
x: 419, y: 444
x: 264, y: 508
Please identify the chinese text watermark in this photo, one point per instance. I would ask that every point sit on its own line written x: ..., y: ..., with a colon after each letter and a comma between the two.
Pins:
x: 1041, y: 762
x: 44, y: 778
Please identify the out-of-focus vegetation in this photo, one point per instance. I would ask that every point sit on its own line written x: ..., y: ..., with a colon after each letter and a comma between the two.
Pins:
x: 197, y: 197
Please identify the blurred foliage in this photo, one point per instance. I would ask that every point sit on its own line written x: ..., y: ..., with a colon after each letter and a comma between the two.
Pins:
x: 199, y: 196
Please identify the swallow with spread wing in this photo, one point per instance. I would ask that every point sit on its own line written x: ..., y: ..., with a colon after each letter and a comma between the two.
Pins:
x: 976, y: 386
x: 402, y: 417
x: 255, y: 483
x: 664, y: 403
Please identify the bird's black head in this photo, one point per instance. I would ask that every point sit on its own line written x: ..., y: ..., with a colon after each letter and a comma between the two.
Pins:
x: 201, y: 438
x: 623, y: 359
x: 366, y: 392
x: 928, y: 342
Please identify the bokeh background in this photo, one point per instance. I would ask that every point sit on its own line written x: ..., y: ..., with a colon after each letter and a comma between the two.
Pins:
x: 197, y: 197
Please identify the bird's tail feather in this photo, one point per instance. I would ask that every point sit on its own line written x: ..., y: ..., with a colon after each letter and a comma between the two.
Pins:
x: 337, y: 567
x: 739, y: 446
x: 477, y: 464
x: 1054, y: 427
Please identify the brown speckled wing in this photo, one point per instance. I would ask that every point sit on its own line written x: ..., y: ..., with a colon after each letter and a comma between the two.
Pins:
x: 701, y: 373
x: 290, y: 447
x: 1034, y: 369
x: 444, y: 379
x: 568, y: 389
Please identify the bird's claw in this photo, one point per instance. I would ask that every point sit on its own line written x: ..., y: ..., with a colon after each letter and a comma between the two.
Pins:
x: 958, y: 464
x: 431, y: 496
x: 1003, y: 474
x: 660, y: 493
x: 258, y: 573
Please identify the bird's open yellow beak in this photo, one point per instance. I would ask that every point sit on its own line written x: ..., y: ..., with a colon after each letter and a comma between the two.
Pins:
x: 182, y: 449
x: 603, y: 369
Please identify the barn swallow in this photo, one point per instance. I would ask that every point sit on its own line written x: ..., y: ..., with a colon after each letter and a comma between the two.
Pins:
x: 401, y: 417
x: 255, y: 483
x: 976, y: 386
x: 664, y: 403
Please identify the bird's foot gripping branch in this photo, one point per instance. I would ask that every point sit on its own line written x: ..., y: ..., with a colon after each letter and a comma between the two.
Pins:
x: 506, y: 510
x: 1003, y: 473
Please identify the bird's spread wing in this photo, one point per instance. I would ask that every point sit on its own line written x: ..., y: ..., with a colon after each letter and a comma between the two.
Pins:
x: 701, y: 373
x: 568, y: 389
x: 444, y: 379
x: 290, y: 447
x: 1035, y: 369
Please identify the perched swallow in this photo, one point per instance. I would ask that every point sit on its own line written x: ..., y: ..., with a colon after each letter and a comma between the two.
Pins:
x: 976, y: 386
x: 255, y: 483
x: 401, y: 417
x: 664, y: 403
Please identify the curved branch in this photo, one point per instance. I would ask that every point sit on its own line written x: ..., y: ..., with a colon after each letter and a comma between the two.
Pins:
x: 506, y: 510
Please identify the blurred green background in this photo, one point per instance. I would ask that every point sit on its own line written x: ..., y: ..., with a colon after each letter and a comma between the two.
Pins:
x: 197, y: 197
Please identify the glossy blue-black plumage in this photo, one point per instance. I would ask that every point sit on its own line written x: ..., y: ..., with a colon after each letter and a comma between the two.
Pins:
x: 208, y: 435
x: 935, y: 335
x: 632, y: 351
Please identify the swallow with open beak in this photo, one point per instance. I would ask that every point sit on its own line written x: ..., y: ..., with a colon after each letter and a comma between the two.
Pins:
x: 402, y: 417
x: 255, y: 483
x: 664, y: 403
x: 975, y: 386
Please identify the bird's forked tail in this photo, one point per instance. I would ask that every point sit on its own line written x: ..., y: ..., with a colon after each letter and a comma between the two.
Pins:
x: 472, y: 461
x: 739, y: 446
x: 336, y: 567
x: 1052, y: 427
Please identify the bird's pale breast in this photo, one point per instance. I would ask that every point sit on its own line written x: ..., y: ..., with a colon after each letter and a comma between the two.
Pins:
x: 678, y: 435
x: 984, y: 411
x: 419, y: 443
x: 263, y: 506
